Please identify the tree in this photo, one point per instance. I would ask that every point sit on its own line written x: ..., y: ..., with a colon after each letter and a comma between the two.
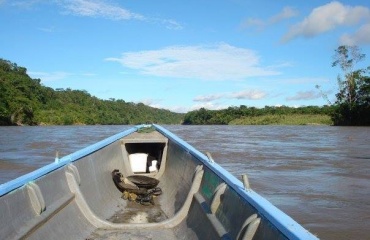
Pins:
x: 24, y: 101
x: 353, y: 88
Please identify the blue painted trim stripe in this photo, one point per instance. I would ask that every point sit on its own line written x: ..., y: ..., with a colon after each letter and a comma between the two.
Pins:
x: 290, y: 228
x: 19, y: 182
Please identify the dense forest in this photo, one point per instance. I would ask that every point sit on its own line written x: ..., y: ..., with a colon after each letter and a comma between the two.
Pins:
x: 25, y: 101
x: 261, y: 116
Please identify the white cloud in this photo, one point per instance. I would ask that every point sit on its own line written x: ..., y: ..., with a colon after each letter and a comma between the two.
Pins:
x: 360, y: 37
x: 254, y: 22
x: 213, y: 62
x: 97, y: 8
x: 24, y: 3
x: 305, y: 95
x: 103, y: 9
x: 59, y: 75
x: 326, y: 18
x: 156, y: 103
x: 249, y: 94
x: 208, y: 98
x: 178, y: 109
x: 47, y: 29
x: 286, y: 13
x: 170, y: 24
x: 151, y: 102
x: 207, y: 105
x: 49, y: 76
x: 88, y: 74
x: 304, y: 80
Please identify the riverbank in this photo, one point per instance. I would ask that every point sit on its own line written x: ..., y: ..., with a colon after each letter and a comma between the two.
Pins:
x: 284, y: 119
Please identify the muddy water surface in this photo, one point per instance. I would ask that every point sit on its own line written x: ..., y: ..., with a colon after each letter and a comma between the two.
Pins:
x: 318, y: 175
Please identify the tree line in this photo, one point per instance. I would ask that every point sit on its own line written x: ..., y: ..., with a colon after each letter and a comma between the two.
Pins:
x: 25, y: 101
x: 243, y: 114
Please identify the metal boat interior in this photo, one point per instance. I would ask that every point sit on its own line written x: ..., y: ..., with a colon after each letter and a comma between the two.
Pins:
x: 76, y: 198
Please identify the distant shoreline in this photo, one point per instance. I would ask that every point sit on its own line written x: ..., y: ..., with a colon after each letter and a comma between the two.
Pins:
x: 269, y: 119
x: 284, y: 119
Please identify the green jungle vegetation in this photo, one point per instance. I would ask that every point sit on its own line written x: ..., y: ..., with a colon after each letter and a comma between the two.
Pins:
x: 243, y: 115
x: 296, y: 119
x: 25, y: 101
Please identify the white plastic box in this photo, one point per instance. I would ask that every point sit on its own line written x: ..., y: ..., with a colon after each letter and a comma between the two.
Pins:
x: 138, y: 162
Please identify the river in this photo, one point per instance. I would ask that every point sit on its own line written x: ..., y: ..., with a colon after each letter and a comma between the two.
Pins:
x: 319, y: 175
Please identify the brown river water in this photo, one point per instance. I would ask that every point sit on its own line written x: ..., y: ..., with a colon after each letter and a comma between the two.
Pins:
x: 319, y: 175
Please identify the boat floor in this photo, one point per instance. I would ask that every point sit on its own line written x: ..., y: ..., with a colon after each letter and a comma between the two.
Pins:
x: 135, y: 234
x: 134, y: 212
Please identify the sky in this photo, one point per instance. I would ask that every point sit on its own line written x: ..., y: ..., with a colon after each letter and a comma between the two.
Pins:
x: 184, y: 55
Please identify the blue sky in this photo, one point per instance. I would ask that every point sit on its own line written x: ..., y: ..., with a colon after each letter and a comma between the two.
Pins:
x: 183, y: 55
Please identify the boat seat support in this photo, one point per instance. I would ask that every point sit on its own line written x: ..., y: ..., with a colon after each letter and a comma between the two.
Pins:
x: 26, y: 230
x: 73, y: 169
x: 249, y: 228
x: 216, y: 224
x: 36, y: 198
x: 216, y: 200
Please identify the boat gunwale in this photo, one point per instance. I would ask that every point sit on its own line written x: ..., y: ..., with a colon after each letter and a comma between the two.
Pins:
x: 283, y: 222
x: 14, y: 184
